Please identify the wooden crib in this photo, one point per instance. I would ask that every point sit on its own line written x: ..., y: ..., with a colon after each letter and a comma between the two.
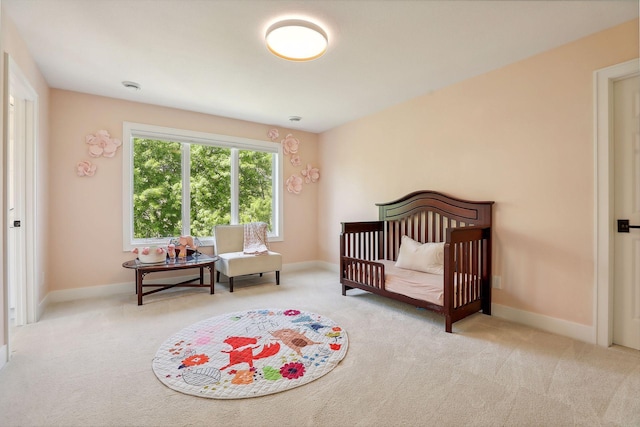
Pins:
x: 369, y: 251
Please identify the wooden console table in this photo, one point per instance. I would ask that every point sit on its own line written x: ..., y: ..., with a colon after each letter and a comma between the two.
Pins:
x: 199, y: 261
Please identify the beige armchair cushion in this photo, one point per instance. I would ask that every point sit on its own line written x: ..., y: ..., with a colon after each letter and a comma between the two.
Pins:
x: 229, y: 245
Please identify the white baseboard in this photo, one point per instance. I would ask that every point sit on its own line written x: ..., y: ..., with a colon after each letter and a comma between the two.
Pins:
x: 102, y: 291
x: 299, y: 266
x: 42, y: 306
x: 331, y: 266
x: 89, y: 292
x: 550, y: 324
x: 565, y: 328
x: 4, y: 356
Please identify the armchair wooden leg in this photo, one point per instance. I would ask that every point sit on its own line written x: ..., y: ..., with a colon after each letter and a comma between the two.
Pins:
x: 230, y: 284
x: 277, y: 277
x: 217, y: 276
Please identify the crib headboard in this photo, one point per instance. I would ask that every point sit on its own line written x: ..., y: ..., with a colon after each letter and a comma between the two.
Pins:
x: 425, y: 216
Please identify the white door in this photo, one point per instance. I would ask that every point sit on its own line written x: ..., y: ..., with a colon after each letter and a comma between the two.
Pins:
x: 626, y: 291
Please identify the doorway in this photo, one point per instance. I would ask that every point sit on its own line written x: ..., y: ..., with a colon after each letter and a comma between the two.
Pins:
x: 626, y: 148
x: 20, y: 118
x: 605, y: 221
x: 15, y: 206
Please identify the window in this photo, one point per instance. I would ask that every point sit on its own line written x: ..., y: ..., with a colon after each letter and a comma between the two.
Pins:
x: 179, y: 182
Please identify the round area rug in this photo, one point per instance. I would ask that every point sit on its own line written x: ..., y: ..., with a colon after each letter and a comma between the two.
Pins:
x: 250, y: 353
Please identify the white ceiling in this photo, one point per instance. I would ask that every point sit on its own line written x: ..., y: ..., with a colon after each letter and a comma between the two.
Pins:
x: 209, y: 55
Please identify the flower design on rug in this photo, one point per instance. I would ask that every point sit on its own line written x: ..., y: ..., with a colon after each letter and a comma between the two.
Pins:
x: 292, y: 371
x: 243, y: 377
x: 250, y: 353
x: 197, y: 359
x: 336, y: 334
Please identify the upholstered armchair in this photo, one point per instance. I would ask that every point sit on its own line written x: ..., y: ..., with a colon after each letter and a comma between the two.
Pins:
x: 229, y: 242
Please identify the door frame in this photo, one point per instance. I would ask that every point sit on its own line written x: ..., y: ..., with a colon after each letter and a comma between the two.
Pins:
x: 15, y: 82
x: 604, y: 217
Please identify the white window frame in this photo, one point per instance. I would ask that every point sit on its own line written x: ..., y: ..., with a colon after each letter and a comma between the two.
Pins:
x: 138, y: 130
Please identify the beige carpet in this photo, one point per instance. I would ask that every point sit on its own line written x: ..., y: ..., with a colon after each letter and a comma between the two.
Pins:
x: 88, y: 363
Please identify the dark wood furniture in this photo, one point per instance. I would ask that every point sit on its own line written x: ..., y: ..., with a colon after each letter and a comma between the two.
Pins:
x: 425, y: 216
x: 200, y: 262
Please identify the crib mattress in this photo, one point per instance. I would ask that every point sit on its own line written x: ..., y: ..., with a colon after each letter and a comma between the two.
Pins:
x: 414, y: 284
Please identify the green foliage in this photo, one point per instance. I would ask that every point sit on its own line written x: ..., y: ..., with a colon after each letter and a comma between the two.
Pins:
x: 157, y: 189
x: 210, y: 188
x: 256, y: 191
x: 157, y: 199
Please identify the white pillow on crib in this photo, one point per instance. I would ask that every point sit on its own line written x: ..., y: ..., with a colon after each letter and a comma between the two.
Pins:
x: 425, y: 257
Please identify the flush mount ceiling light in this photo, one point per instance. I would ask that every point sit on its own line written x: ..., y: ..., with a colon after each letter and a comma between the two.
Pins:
x: 296, y: 40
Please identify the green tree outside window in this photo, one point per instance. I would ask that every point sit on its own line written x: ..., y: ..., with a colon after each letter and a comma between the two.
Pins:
x: 158, y: 189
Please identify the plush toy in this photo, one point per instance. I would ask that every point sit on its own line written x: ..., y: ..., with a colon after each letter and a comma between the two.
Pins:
x: 171, y: 249
x: 185, y: 242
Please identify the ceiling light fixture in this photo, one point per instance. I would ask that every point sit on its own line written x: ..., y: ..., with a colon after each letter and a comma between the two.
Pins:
x: 296, y: 40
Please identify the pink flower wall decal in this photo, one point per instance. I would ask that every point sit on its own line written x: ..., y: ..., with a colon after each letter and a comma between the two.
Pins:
x: 290, y: 145
x: 310, y: 174
x: 295, y: 160
x: 294, y: 184
x: 273, y: 134
x: 85, y: 168
x: 101, y: 144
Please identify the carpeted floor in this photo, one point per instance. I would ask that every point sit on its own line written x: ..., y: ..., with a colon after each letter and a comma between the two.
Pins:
x: 88, y: 363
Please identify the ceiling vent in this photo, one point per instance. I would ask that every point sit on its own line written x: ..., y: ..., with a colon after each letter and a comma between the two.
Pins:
x: 132, y: 86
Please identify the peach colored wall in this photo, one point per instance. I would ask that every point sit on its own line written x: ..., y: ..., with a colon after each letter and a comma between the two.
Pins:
x: 86, y: 240
x: 13, y: 44
x: 522, y: 136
